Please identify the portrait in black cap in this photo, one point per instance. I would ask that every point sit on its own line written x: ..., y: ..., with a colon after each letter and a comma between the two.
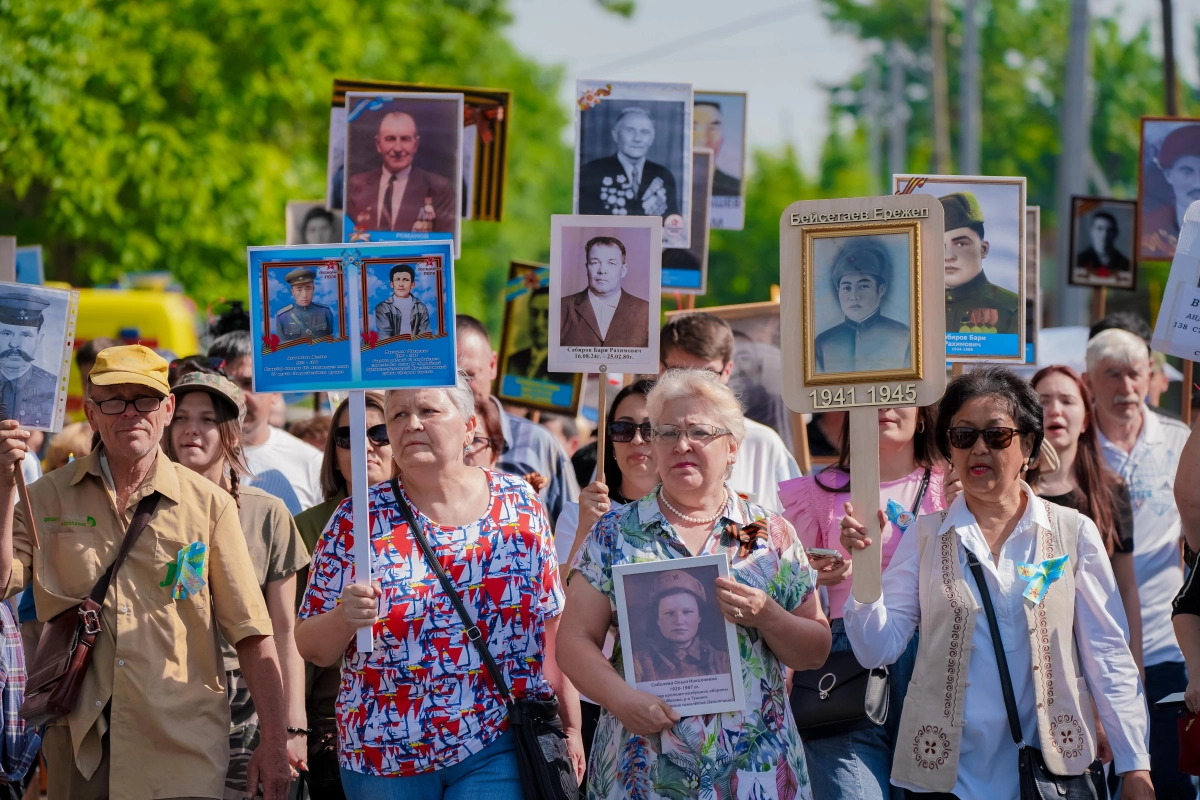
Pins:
x: 672, y: 644
x: 973, y: 303
x: 1177, y: 162
x: 861, y: 276
x: 27, y: 391
x: 303, y: 319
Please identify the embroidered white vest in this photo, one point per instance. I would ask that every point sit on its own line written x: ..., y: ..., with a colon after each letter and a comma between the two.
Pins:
x: 930, y: 735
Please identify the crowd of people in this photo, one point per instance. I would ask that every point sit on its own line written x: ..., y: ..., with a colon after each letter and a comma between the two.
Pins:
x: 1036, y: 590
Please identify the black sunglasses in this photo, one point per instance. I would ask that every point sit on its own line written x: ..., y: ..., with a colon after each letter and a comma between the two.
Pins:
x: 623, y: 431
x: 994, y: 438
x: 376, y: 433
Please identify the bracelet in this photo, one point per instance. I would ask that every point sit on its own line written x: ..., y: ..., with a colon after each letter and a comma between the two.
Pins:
x: 302, y: 731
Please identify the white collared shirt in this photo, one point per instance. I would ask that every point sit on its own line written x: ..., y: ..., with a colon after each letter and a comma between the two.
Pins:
x: 404, y: 306
x: 1150, y: 472
x: 397, y: 191
x: 987, y: 767
x: 604, y: 308
x: 631, y: 167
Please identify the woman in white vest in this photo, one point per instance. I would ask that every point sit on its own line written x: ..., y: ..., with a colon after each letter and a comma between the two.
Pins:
x: 1059, y: 616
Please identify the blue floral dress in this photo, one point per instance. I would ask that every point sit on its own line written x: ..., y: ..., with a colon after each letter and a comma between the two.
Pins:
x: 746, y: 755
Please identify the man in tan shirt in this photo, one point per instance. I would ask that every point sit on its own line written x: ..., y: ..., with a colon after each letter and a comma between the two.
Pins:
x: 152, y: 720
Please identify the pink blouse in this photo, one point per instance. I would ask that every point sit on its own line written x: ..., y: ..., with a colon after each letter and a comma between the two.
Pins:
x: 815, y: 514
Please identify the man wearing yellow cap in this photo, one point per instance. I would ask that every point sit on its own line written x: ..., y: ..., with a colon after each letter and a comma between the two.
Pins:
x: 973, y: 303
x: 151, y: 719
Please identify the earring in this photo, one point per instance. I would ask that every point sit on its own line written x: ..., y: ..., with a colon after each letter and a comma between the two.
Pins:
x: 920, y: 427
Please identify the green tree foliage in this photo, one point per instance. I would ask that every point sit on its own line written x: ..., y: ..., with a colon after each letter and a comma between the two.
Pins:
x: 169, y: 134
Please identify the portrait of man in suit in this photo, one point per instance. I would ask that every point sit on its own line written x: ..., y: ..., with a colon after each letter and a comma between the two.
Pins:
x: 401, y: 314
x: 626, y: 182
x: 708, y: 130
x: 604, y: 314
x: 530, y: 362
x: 399, y: 196
x: 1102, y: 259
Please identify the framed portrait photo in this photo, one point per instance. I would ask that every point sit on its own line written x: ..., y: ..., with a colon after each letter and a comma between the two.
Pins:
x: 857, y: 296
x: 403, y: 174
x: 984, y: 262
x: 37, y: 337
x: 633, y: 145
x: 1168, y: 169
x: 685, y: 270
x: 524, y: 377
x: 674, y: 609
x: 1102, y: 243
x: 484, y: 142
x: 309, y: 222
x: 605, y: 293
x: 1033, y: 278
x: 719, y: 124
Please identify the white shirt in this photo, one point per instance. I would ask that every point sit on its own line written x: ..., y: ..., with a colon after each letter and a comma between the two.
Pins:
x: 404, y: 305
x: 604, y: 308
x: 987, y: 767
x: 1150, y: 472
x: 633, y: 169
x: 397, y: 191
x: 762, y: 462
x: 287, y: 468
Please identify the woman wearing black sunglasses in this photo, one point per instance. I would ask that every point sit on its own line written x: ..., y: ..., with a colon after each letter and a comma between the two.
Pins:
x: 1058, y: 624
x: 324, y: 780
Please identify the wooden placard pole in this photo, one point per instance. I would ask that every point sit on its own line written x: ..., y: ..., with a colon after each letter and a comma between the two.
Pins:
x: 864, y: 495
x: 601, y: 421
x: 365, y: 640
x: 23, y: 495
x: 1099, y: 301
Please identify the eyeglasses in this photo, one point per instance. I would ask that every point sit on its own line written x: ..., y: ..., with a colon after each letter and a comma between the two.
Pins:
x: 116, y: 405
x: 698, y: 434
x: 994, y: 438
x: 623, y: 431
x: 376, y: 433
x: 481, y: 443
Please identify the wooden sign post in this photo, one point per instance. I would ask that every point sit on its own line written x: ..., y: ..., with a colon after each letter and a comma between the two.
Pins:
x: 863, y: 327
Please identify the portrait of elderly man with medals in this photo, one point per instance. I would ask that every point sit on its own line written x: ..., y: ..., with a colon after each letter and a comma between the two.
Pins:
x: 626, y: 182
x: 866, y: 340
x: 303, y: 319
x: 27, y: 392
x: 973, y: 303
x: 674, y: 647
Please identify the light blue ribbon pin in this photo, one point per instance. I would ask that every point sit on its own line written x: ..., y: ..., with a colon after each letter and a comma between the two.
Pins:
x: 188, y: 578
x: 897, y: 514
x: 1040, y: 576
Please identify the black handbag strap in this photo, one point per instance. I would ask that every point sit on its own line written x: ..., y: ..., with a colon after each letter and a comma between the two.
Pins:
x: 1010, y: 699
x: 473, y: 632
x: 921, y: 491
x: 141, y: 518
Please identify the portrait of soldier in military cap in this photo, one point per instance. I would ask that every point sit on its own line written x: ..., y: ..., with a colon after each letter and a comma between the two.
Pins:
x: 866, y: 340
x: 973, y: 303
x: 302, y: 318
x: 672, y: 644
x: 27, y: 392
x: 1169, y: 182
x: 402, y: 314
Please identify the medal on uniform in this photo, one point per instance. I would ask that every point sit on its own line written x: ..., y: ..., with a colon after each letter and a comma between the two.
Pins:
x: 899, y: 516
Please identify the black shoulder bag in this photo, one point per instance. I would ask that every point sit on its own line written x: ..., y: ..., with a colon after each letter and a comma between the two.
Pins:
x: 842, y: 695
x: 542, y: 759
x: 1037, y: 781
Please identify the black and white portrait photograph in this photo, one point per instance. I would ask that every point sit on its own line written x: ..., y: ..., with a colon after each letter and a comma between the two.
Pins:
x: 863, y: 306
x: 309, y: 222
x: 605, y: 286
x: 633, y: 144
x: 719, y: 123
x: 37, y: 333
x: 1102, y: 238
x: 685, y: 270
x: 1168, y: 182
x: 676, y: 644
x: 403, y: 163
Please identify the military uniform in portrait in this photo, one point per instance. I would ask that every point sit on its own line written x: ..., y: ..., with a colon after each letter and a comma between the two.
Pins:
x: 303, y: 321
x: 27, y: 392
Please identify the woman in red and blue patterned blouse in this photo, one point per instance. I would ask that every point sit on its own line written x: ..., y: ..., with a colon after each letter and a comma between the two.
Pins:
x: 419, y: 716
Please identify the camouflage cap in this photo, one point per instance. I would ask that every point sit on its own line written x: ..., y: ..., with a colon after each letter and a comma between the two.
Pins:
x: 220, y: 388
x: 863, y: 254
x: 962, y: 210
x: 674, y: 581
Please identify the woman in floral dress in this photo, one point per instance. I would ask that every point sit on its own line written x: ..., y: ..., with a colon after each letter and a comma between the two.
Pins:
x: 644, y: 750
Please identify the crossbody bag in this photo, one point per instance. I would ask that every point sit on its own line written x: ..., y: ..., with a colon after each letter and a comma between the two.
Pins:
x: 542, y: 760
x: 1037, y: 781
x: 842, y: 696
x: 64, y: 652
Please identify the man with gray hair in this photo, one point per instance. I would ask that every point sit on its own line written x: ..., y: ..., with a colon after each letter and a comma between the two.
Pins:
x: 1144, y: 449
x: 627, y: 183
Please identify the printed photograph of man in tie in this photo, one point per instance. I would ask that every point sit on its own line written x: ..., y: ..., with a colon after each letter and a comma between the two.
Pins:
x: 403, y: 163
x: 604, y: 314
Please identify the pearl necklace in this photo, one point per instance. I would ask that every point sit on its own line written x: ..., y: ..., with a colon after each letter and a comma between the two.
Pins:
x: 687, y: 518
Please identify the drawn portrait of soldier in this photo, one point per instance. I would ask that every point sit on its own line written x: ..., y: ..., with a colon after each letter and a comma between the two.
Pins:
x: 1170, y: 182
x: 973, y: 303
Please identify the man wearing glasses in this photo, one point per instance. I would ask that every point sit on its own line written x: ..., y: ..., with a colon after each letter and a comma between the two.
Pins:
x: 155, y: 684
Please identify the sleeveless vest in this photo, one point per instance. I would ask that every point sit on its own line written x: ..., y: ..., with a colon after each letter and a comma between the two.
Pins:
x: 929, y: 739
